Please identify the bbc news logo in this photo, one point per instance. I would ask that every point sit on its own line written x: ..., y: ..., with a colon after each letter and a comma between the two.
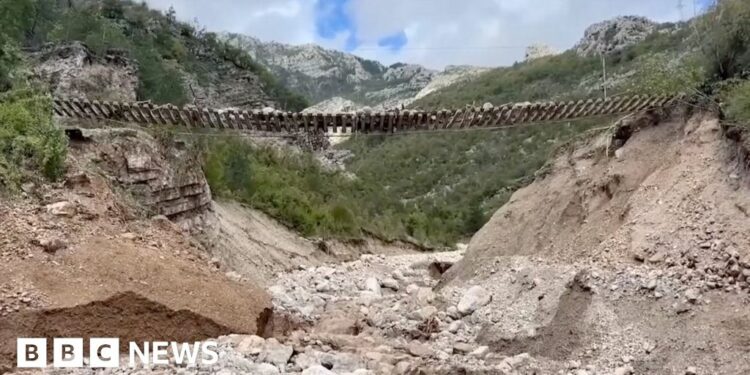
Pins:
x: 105, y: 353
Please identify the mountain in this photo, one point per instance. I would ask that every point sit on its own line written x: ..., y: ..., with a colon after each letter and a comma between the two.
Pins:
x: 321, y: 74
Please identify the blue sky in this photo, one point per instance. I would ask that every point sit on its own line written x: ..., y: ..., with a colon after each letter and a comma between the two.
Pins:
x: 434, y: 33
x: 333, y: 17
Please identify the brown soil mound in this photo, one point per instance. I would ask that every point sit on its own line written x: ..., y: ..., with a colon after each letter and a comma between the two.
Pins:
x: 676, y: 194
x: 105, y: 247
x: 126, y: 316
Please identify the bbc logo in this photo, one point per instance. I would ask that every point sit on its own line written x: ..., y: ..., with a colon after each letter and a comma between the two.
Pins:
x: 67, y: 352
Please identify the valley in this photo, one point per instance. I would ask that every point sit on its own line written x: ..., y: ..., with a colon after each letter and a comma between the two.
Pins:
x: 161, y: 182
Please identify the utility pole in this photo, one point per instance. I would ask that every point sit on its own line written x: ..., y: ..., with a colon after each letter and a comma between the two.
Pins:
x: 604, y: 72
x: 681, y: 7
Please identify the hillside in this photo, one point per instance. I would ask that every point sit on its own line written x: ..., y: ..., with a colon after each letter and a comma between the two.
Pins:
x: 633, y: 58
x: 174, y: 62
x: 321, y: 74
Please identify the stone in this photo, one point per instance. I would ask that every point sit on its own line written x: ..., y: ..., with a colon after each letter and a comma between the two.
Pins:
x: 462, y: 348
x: 391, y: 284
x: 455, y: 326
x: 64, y: 208
x: 487, y: 106
x: 128, y: 236
x: 323, y: 287
x: 424, y: 313
x: 317, y: 370
x: 234, y: 276
x: 480, y: 352
x: 251, y: 345
x: 692, y: 295
x: 425, y: 295
x: 691, y: 371
x: 51, y: 244
x: 265, y: 369
x: 473, y: 299
x: 402, y: 367
x: 412, y: 288
x: 363, y: 372
x: 624, y: 370
x: 367, y: 297
x: 276, y: 353
x: 28, y: 187
x: 418, y: 349
x: 138, y: 162
x: 452, y: 311
x: 373, y: 285
x: 619, y: 153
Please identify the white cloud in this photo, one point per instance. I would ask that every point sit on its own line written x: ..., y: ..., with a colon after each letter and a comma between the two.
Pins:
x: 440, y: 32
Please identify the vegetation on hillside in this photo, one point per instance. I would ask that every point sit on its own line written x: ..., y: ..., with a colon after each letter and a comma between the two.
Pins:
x: 30, y: 144
x: 163, y: 46
x: 569, y: 76
x: 435, y: 189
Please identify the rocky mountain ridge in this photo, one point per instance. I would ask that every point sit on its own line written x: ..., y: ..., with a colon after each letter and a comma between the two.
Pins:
x: 615, y: 34
x: 322, y: 74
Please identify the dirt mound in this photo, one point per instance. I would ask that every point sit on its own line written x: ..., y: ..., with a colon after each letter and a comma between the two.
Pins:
x: 67, y: 245
x: 675, y: 194
x: 126, y: 316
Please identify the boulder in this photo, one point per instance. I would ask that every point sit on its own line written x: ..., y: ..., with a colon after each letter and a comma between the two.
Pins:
x: 391, y: 284
x: 373, y: 285
x: 473, y: 299
x: 50, y: 244
x: 418, y: 349
x: 250, y: 345
x: 276, y: 353
x: 64, y: 208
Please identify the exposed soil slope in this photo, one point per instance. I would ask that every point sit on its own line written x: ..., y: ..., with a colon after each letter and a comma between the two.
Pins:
x: 635, y: 258
x: 66, y: 249
x: 257, y: 247
x: 673, y: 191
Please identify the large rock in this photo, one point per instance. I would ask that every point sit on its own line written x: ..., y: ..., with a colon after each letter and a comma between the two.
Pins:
x: 251, y: 345
x: 373, y: 285
x: 276, y: 353
x: 64, y: 208
x: 473, y: 299
x: 614, y: 35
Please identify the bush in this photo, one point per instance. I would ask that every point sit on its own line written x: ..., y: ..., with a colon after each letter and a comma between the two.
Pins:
x: 737, y: 107
x: 725, y: 39
x: 29, y: 141
x: 663, y: 74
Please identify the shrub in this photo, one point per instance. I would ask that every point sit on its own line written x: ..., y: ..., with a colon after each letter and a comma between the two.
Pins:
x: 663, y: 74
x: 29, y: 141
x: 737, y: 107
x: 725, y: 39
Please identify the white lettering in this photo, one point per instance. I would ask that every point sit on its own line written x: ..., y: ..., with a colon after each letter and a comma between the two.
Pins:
x: 159, y: 355
x: 31, y: 353
x: 180, y: 351
x: 135, y: 350
x: 213, y: 354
